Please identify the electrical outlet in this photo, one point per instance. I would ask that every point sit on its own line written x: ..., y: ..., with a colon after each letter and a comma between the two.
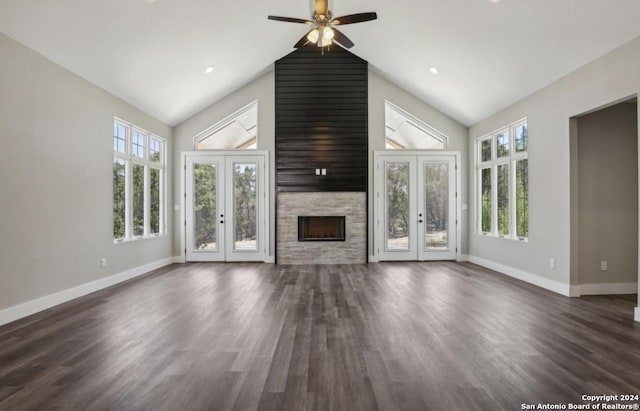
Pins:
x: 552, y: 263
x: 103, y: 262
x: 604, y: 266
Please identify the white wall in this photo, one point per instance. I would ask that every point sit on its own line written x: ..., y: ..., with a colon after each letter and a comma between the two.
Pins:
x: 611, y: 78
x: 56, y: 156
x: 263, y: 90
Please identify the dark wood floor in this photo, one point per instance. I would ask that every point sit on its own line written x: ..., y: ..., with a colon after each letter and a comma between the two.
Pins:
x: 392, y: 336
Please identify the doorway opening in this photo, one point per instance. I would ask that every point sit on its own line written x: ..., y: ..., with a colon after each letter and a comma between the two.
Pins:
x: 604, y: 200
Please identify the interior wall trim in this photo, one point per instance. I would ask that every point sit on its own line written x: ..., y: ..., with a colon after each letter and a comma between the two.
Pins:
x: 637, y: 314
x: 19, y: 311
x: 551, y: 285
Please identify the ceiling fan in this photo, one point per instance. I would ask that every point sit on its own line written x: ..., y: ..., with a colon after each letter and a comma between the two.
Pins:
x: 324, y: 32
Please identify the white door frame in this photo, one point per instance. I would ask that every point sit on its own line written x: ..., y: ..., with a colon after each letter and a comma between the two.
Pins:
x: 236, y: 153
x: 378, y: 188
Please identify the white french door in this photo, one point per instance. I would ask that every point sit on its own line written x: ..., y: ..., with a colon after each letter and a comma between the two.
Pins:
x: 416, y: 207
x: 225, y: 207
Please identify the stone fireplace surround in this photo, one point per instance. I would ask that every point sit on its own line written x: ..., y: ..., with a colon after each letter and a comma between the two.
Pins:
x: 353, y: 206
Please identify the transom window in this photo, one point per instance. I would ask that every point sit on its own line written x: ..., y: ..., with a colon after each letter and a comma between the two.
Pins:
x: 404, y: 131
x: 238, y: 131
x: 502, y: 182
x: 138, y: 183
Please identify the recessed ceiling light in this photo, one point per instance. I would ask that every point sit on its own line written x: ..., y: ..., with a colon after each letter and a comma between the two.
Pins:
x: 433, y: 70
x: 209, y: 70
x: 494, y: 1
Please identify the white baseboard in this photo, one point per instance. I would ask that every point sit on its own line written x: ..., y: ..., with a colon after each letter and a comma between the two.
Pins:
x: 19, y: 311
x: 574, y: 291
x: 608, y: 288
x: 462, y: 258
x: 637, y: 314
x: 270, y: 260
x: 530, y: 278
x: 373, y: 259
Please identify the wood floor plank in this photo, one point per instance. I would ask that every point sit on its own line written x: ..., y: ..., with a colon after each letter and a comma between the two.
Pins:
x: 388, y: 336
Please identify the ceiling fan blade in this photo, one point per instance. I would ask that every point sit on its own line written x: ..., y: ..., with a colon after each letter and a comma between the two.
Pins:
x: 322, y: 7
x: 290, y: 19
x: 339, y: 37
x: 354, y: 18
x: 304, y: 40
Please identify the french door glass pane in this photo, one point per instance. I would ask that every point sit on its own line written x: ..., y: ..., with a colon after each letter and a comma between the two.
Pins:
x: 436, y: 198
x: 397, y: 176
x: 205, y: 207
x: 244, y: 201
x: 138, y: 199
x: 503, y: 199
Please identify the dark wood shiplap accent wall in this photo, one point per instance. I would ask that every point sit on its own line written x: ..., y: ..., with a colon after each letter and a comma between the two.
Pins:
x: 321, y: 121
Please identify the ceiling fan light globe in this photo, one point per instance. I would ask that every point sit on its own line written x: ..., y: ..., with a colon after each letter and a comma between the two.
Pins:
x: 328, y: 33
x: 313, y: 35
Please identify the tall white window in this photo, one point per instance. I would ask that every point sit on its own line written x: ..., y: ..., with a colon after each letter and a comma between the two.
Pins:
x: 238, y: 131
x: 406, y: 132
x: 138, y: 183
x: 502, y: 182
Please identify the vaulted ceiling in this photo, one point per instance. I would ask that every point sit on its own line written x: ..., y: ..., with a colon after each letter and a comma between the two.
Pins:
x: 153, y: 53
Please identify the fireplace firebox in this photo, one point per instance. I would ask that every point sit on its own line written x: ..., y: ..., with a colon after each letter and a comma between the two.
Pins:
x: 321, y: 228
